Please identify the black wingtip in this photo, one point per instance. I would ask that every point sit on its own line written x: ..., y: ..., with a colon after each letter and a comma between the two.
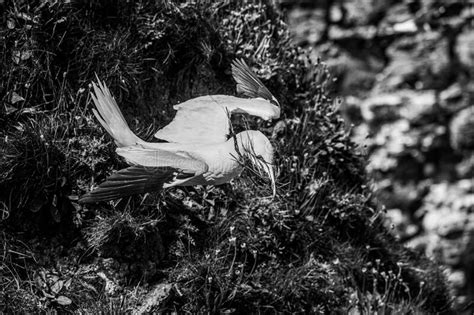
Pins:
x: 90, y: 198
x: 104, y: 194
x: 248, y: 83
x: 130, y: 181
x: 86, y: 200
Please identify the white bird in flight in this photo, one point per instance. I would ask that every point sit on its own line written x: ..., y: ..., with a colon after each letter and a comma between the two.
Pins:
x: 200, y: 147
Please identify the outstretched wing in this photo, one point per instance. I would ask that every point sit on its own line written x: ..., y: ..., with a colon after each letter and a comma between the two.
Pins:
x: 199, y: 120
x: 206, y: 119
x: 151, y: 170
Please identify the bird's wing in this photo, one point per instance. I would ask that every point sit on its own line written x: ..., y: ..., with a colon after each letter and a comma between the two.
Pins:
x: 249, y: 84
x: 130, y: 181
x: 161, y: 158
x: 199, y: 120
x: 151, y: 170
x: 205, y: 119
x: 110, y: 117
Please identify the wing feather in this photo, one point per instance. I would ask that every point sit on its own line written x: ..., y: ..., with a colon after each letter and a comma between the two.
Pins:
x: 199, y: 120
x: 205, y: 119
x: 249, y: 84
x: 161, y: 158
x: 130, y: 181
x: 151, y: 170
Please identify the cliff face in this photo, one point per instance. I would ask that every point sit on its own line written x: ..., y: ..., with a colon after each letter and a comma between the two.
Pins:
x: 320, y: 246
x: 406, y: 83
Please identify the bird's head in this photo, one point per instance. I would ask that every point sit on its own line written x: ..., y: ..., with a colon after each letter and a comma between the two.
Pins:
x: 254, y: 148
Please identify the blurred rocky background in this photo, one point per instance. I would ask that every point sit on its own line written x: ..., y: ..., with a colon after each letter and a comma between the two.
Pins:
x: 404, y: 71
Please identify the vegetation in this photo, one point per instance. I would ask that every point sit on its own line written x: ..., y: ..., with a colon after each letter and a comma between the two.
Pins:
x: 319, y: 247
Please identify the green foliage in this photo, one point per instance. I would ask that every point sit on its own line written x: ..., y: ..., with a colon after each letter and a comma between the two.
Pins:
x: 302, y: 252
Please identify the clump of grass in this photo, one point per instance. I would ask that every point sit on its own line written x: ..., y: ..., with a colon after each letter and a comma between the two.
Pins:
x: 15, y: 257
x: 44, y: 164
x: 32, y: 164
x: 126, y: 238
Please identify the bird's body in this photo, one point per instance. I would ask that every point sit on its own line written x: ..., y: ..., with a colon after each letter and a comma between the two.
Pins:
x: 220, y: 158
x: 200, y: 147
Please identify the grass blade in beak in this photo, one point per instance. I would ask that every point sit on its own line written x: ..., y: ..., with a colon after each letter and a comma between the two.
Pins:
x: 269, y: 170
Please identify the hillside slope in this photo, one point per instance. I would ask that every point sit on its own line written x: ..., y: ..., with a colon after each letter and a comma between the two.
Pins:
x: 319, y: 247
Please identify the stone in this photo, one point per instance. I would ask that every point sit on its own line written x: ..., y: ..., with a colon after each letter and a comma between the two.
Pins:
x: 152, y: 300
x: 381, y: 108
x: 457, y: 278
x: 465, y: 47
x: 462, y: 130
x: 408, y: 104
x: 452, y: 93
x: 417, y: 104
x: 449, y: 221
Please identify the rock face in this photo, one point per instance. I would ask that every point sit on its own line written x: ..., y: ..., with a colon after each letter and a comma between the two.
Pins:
x: 414, y: 106
x: 448, y: 223
x: 414, y: 119
x: 462, y: 130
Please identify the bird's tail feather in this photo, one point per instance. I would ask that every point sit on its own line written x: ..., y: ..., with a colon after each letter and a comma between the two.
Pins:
x: 110, y: 117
